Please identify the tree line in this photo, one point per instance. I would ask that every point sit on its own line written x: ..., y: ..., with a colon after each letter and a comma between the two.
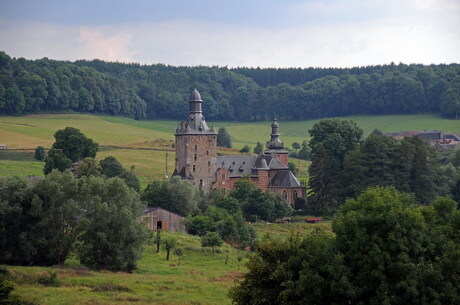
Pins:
x: 344, y: 165
x: 384, y: 249
x: 239, y: 94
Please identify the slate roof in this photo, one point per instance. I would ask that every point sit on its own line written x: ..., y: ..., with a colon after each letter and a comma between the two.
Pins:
x: 285, y: 178
x: 239, y: 165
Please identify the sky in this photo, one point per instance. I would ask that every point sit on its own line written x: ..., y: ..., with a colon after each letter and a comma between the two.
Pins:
x: 234, y: 33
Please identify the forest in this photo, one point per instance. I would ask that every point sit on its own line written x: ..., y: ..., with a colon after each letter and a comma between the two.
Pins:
x: 231, y: 94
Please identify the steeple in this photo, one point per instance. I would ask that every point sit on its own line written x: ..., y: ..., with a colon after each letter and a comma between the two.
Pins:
x: 275, y: 142
x: 195, y: 121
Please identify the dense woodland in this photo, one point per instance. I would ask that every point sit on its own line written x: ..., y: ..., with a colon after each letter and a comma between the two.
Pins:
x: 240, y: 94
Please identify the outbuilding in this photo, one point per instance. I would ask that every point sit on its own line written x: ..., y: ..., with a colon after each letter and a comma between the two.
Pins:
x: 158, y: 218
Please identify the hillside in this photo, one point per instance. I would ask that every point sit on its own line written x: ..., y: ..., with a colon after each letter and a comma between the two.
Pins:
x: 144, y: 143
x: 240, y: 94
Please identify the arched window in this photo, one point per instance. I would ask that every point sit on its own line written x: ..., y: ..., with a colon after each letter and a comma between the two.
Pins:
x: 201, y: 184
x: 285, y: 195
x: 294, y: 195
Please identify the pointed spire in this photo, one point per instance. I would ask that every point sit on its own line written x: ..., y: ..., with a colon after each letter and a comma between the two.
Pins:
x: 275, y: 142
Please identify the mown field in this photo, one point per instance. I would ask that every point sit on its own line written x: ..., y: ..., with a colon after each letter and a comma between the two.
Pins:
x: 144, y: 144
x: 201, y: 278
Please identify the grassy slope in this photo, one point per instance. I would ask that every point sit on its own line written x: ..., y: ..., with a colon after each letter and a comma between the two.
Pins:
x: 27, y: 132
x: 202, y: 278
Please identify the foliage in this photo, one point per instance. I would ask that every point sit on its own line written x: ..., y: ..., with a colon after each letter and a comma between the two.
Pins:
x: 88, y: 167
x: 56, y: 159
x: 199, y: 225
x: 246, y: 149
x: 70, y: 146
x: 74, y: 144
x: 40, y: 153
x: 239, y: 94
x: 386, y: 250
x: 177, y: 195
x: 223, y: 138
x: 111, y: 167
x: 111, y: 236
x: 258, y: 148
x: 40, y: 223
x: 330, y: 140
x: 409, y: 165
x: 168, y: 243
x: 211, y: 239
x: 257, y: 204
x: 293, y: 168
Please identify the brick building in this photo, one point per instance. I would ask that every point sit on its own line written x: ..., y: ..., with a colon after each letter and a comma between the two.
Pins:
x: 197, y: 160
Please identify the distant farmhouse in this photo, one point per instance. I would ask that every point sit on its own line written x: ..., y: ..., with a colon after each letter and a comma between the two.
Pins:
x: 197, y: 159
x: 438, y: 139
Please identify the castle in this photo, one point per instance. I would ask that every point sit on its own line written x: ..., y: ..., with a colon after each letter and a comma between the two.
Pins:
x: 197, y: 159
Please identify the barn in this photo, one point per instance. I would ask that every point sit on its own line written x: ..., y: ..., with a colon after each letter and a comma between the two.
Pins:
x: 158, y: 218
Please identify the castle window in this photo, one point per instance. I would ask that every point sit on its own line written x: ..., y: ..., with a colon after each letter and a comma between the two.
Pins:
x: 195, y: 156
x: 294, y: 195
x: 196, y: 147
x: 194, y: 168
x: 207, y: 152
x: 223, y: 176
x: 285, y: 195
x: 201, y: 184
x: 209, y: 163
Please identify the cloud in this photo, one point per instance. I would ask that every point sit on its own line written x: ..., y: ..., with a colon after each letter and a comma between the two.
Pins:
x: 105, y: 44
x: 332, y: 33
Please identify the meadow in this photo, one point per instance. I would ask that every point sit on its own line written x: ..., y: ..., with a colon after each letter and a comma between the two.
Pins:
x: 200, y: 278
x: 144, y: 144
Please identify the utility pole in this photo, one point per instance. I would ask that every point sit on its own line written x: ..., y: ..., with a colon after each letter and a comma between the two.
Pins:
x: 166, y: 171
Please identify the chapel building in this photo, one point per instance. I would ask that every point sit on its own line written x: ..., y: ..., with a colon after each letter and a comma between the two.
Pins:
x: 197, y: 160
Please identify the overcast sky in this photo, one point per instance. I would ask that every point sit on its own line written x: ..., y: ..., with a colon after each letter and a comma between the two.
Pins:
x: 265, y: 33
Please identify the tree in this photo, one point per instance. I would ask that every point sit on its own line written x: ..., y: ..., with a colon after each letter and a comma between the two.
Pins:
x: 304, y: 152
x: 295, y: 145
x: 393, y: 249
x: 293, y: 168
x: 199, y: 225
x: 245, y: 149
x: 74, y: 144
x: 384, y: 250
x: 168, y: 243
x: 179, y: 252
x: 88, y: 167
x: 211, y: 239
x: 178, y: 196
x: 56, y: 159
x: 330, y: 140
x: 258, y: 148
x: 223, y: 138
x: 39, y: 153
x: 112, y: 237
x: 111, y: 167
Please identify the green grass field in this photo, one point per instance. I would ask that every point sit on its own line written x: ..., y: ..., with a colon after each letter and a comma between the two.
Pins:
x: 144, y: 143
x: 201, y: 277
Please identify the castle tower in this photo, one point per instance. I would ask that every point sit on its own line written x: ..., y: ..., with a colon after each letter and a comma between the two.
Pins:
x: 196, y: 147
x: 275, y: 147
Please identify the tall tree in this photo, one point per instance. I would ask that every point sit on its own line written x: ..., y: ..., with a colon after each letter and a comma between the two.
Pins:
x: 223, y: 138
x: 330, y: 140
